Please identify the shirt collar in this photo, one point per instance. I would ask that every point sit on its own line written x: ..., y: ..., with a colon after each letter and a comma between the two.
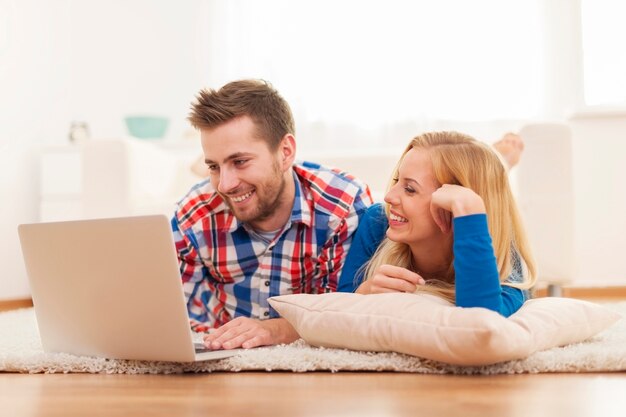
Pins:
x: 301, y: 211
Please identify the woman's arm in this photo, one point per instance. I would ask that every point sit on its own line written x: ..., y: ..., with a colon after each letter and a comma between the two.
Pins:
x: 477, y: 280
x: 370, y: 233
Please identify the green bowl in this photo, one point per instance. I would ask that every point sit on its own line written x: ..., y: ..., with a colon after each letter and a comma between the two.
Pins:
x: 147, y: 127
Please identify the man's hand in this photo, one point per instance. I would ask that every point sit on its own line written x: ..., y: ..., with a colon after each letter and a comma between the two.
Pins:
x: 390, y: 278
x: 453, y: 201
x: 247, y: 333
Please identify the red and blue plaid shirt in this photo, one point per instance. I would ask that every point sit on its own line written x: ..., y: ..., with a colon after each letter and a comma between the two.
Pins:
x: 229, y: 270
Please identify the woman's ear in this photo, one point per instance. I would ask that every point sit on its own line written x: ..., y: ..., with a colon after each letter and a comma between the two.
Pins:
x: 287, y: 149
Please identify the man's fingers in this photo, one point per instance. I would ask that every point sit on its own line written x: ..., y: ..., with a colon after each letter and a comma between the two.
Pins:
x: 231, y: 339
x: 240, y: 332
x: 237, y: 341
x: 252, y: 336
x: 217, y: 337
x: 254, y: 341
x: 230, y: 334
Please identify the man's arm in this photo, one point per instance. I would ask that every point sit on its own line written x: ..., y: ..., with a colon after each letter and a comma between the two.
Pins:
x: 192, y: 273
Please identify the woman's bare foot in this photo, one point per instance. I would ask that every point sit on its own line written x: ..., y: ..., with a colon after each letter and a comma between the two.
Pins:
x: 510, y: 147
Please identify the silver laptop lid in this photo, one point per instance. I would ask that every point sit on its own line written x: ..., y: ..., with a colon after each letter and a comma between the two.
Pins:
x: 108, y: 288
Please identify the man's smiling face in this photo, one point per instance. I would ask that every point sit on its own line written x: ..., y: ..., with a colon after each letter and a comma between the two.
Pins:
x: 245, y: 171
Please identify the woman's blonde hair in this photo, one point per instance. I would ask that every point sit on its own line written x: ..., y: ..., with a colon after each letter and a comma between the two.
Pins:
x: 460, y: 159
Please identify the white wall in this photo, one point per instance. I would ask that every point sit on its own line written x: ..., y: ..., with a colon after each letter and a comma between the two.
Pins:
x: 34, y: 105
x: 133, y: 57
x: 562, y: 59
x: 97, y: 61
x: 90, y: 60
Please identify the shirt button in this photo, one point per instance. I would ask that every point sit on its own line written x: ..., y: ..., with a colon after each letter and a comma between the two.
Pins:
x: 267, y: 283
x: 266, y: 314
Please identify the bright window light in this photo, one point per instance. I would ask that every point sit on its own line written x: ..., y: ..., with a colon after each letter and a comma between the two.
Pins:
x: 376, y: 62
x: 604, y: 33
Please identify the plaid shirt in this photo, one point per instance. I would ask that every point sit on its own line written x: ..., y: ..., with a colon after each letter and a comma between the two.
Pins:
x: 229, y: 270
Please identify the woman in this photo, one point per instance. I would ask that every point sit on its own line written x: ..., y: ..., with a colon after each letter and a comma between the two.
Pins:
x: 454, y: 229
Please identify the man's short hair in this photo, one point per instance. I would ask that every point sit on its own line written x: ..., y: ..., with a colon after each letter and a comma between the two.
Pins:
x: 254, y: 98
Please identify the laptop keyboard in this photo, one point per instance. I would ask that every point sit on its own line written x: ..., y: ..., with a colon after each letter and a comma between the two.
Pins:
x: 200, y: 348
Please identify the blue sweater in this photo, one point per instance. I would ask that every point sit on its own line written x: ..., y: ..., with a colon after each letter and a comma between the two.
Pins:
x: 476, y: 274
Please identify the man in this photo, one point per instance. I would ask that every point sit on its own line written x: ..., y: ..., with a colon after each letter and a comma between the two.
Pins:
x: 261, y: 225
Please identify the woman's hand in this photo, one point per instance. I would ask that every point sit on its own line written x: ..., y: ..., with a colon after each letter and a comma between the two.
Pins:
x: 450, y: 201
x: 389, y: 278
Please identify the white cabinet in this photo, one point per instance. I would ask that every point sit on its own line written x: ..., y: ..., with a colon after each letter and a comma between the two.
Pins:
x: 571, y: 195
x: 117, y: 177
x: 61, y: 183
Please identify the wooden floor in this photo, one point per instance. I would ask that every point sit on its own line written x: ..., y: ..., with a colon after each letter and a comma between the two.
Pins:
x: 313, y: 394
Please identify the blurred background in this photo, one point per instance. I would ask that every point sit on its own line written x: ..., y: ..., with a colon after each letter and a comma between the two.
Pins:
x: 362, y: 77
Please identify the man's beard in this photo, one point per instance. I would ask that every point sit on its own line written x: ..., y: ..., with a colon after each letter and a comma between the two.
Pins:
x: 269, y: 195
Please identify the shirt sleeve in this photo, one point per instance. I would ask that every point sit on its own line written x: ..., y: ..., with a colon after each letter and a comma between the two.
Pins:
x: 476, y: 273
x: 192, y: 273
x: 369, y: 235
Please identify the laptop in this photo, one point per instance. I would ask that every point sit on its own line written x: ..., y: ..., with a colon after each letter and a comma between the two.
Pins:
x: 110, y: 288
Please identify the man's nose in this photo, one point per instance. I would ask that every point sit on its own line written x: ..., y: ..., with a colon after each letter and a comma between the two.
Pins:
x: 228, y: 181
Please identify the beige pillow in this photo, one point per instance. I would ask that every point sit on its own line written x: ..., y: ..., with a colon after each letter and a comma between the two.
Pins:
x: 429, y: 327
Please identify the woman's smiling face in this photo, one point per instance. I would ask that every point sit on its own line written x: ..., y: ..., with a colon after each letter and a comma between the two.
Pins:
x: 410, y: 220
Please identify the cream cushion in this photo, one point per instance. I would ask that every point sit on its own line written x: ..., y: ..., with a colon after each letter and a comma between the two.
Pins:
x: 429, y: 327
